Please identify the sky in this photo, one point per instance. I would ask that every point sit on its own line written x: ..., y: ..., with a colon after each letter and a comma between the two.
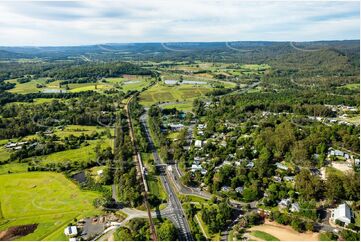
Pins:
x: 49, y: 23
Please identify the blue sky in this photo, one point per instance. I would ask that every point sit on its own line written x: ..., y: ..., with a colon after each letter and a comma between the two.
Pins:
x: 93, y: 22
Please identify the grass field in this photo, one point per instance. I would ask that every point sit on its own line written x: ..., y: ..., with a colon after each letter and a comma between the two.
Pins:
x: 28, y: 87
x: 154, y: 184
x: 46, y: 198
x: 82, y: 154
x: 130, y: 82
x: 4, y: 154
x: 183, y: 106
x: 214, y: 237
x: 155, y: 187
x: 163, y: 93
x: 13, y: 168
x: 127, y: 83
x: 352, y: 86
x: 264, y: 236
x: 82, y: 87
x: 75, y: 130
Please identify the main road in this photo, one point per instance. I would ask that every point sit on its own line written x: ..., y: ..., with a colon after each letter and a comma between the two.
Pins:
x: 174, y: 210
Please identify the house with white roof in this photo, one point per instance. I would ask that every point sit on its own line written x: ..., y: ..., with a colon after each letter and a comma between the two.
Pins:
x: 71, y: 231
x: 289, y: 178
x: 239, y: 189
x: 250, y: 165
x: 198, y: 144
x: 357, y: 162
x: 225, y: 188
x: 281, y: 166
x: 195, y: 167
x: 342, y: 213
x: 284, y: 203
x: 295, y: 207
x: 203, y: 171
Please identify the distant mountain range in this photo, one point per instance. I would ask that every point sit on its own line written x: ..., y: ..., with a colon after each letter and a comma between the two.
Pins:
x: 240, y: 51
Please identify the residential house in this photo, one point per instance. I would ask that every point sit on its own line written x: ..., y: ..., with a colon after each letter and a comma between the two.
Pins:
x: 284, y: 203
x: 250, y: 165
x: 203, y: 171
x: 195, y: 168
x: 277, y: 179
x: 71, y: 231
x: 342, y: 213
x: 198, y: 144
x: 239, y: 189
x: 281, y: 166
x: 289, y: 178
x: 295, y: 207
x: 225, y: 189
x: 357, y: 162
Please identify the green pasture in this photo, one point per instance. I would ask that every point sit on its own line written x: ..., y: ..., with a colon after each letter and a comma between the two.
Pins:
x: 352, y: 86
x: 82, y: 154
x: 4, y: 153
x: 164, y: 93
x: 75, y: 130
x: 13, y: 167
x: 83, y: 87
x: 182, y: 106
x: 130, y: 83
x: 28, y: 87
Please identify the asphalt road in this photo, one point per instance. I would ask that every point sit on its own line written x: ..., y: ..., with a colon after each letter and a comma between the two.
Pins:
x: 174, y: 210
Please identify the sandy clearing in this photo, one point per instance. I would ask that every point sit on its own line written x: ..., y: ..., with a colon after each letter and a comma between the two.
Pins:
x: 285, y: 233
x: 341, y: 166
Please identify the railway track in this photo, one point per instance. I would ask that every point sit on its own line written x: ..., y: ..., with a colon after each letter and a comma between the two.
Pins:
x: 140, y: 167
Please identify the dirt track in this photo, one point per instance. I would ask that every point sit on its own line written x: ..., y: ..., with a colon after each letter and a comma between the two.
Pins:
x: 283, y: 232
x: 17, y: 231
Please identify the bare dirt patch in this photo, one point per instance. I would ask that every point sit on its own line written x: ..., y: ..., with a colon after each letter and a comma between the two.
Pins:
x: 283, y: 232
x: 15, y: 232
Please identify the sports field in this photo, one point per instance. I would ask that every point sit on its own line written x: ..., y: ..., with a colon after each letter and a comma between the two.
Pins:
x: 44, y: 198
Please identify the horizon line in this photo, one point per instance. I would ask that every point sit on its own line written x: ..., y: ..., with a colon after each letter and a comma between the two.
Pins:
x: 177, y: 42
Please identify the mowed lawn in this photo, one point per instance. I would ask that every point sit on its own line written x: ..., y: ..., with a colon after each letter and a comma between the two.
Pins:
x: 164, y: 93
x: 264, y: 236
x: 46, y: 198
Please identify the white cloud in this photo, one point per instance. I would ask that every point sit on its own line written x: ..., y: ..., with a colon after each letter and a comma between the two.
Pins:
x: 89, y: 22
